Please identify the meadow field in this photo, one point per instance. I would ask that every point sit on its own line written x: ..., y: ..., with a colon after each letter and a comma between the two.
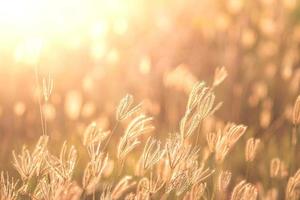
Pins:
x: 145, y: 100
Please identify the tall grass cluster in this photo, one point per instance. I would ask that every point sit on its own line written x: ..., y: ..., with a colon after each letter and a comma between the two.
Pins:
x: 189, y: 164
x: 187, y: 129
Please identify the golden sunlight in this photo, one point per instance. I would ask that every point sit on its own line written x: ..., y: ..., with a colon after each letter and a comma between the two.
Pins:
x: 149, y: 99
x: 32, y: 26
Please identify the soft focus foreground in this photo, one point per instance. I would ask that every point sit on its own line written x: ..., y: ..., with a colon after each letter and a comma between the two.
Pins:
x: 129, y: 100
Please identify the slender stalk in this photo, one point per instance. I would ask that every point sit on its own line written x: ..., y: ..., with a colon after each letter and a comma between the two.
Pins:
x: 295, y: 147
x: 198, y: 133
x: 121, y: 168
x: 94, y: 197
x: 39, y: 100
x: 248, y: 168
x: 218, y: 168
x: 118, y: 169
x: 214, y: 181
x: 293, y: 152
x: 45, y: 123
x: 110, y: 135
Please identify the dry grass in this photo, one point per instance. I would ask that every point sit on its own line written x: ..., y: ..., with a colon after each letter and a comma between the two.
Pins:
x: 182, y: 167
x: 189, y: 130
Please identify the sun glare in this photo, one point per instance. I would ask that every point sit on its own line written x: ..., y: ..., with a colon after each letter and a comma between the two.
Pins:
x: 149, y: 99
x: 22, y: 15
x: 45, y: 15
x: 24, y: 24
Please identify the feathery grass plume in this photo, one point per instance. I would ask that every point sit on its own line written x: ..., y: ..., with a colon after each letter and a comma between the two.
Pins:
x: 275, y: 167
x: 27, y: 164
x: 47, y: 87
x: 293, y: 186
x: 220, y: 76
x: 93, y: 171
x: 191, y: 161
x: 94, y: 149
x: 155, y: 184
x: 144, y: 186
x: 138, y: 126
x: 197, y: 191
x: 64, y: 165
x: 152, y: 153
x: 206, y: 103
x: 106, y: 194
x: 93, y: 139
x: 296, y: 112
x: 163, y: 169
x: 93, y: 134
x: 130, y: 196
x: 52, y: 188
x: 238, y: 190
x: 250, y: 192
x: 182, y: 180
x: 119, y: 190
x: 251, y: 149
x: 142, y: 190
x: 176, y: 152
x: 8, y: 187
x: 188, y: 125
x: 24, y: 163
x: 194, y: 96
x: 222, y: 150
x: 133, y: 196
x: 48, y: 188
x: 40, y: 150
x: 201, y: 104
x: 244, y: 190
x: 230, y: 135
x: 179, y: 182
x: 224, y: 180
x: 137, y: 196
x: 151, y: 185
x: 41, y: 145
x: 233, y: 132
x: 126, y: 146
x: 95, y: 167
x: 213, y: 139
x: 125, y: 109
x: 123, y: 186
x: 197, y: 174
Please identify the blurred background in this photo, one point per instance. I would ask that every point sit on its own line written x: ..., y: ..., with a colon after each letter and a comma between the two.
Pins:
x: 99, y: 50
